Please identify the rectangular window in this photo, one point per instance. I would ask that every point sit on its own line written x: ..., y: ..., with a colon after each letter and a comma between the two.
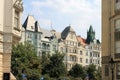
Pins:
x: 6, y: 76
x: 117, y: 36
x: 16, y: 19
x: 118, y: 70
x: 81, y: 60
x: 117, y: 1
x: 106, y: 70
x: 80, y: 52
x: 35, y: 36
x: 86, y: 60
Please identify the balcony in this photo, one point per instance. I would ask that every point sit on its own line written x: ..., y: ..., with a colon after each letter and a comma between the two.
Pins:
x: 117, y: 8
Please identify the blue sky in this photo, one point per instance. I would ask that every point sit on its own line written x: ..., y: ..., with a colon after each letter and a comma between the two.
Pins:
x: 80, y: 14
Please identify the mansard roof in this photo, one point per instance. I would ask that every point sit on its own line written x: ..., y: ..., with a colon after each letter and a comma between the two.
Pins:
x: 31, y: 24
x: 66, y: 31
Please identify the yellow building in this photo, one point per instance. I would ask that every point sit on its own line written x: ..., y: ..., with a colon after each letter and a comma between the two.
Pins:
x: 10, y: 33
x: 110, y: 39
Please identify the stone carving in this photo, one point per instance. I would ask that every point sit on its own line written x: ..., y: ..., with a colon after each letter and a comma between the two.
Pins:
x: 19, y: 5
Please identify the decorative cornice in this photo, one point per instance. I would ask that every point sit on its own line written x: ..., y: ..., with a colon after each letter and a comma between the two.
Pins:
x: 18, y: 5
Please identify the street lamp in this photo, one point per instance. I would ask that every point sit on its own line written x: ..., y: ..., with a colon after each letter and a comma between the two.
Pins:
x: 112, y: 62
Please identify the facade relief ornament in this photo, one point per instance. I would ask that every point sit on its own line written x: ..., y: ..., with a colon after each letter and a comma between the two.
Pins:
x: 18, y: 5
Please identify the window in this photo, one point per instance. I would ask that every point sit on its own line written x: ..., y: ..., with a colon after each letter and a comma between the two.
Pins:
x: 6, y: 76
x: 117, y: 1
x: 91, y: 61
x: 80, y: 52
x: 118, y: 70
x: 81, y: 60
x: 39, y: 37
x: 117, y: 6
x: 86, y: 60
x: 117, y: 36
x: 106, y: 70
x: 87, y: 53
x: 16, y: 19
x: 90, y: 54
x: 35, y: 36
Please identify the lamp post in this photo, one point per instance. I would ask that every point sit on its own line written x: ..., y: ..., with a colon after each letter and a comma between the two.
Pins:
x: 112, y: 62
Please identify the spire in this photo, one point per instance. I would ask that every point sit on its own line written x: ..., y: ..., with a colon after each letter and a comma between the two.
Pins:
x: 90, y: 35
x: 91, y: 29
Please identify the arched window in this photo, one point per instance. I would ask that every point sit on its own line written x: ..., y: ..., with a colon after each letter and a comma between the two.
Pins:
x: 43, y: 45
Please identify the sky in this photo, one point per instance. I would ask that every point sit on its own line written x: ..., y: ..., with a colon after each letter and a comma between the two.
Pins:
x: 58, y: 14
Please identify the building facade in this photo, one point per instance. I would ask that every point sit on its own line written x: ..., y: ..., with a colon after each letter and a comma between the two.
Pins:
x: 10, y: 33
x: 44, y: 41
x: 93, y: 48
x: 110, y: 39
x: 68, y: 45
x: 76, y: 49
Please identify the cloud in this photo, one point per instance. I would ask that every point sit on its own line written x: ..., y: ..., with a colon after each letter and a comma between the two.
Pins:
x: 79, y: 13
x: 67, y: 6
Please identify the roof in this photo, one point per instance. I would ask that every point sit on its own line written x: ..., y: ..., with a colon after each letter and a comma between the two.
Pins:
x: 31, y: 24
x: 66, y: 31
x: 81, y: 40
x: 91, y: 29
x: 46, y: 33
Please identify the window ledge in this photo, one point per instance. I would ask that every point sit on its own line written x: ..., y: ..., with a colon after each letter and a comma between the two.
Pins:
x: 17, y: 29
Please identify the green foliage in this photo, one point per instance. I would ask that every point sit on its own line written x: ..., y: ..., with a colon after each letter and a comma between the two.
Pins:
x: 25, y: 61
x: 91, y: 71
x: 98, y: 74
x: 77, y: 71
x: 55, y: 68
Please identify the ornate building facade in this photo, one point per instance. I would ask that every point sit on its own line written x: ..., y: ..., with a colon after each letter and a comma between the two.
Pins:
x: 45, y: 41
x: 76, y: 49
x: 10, y: 33
x: 110, y: 39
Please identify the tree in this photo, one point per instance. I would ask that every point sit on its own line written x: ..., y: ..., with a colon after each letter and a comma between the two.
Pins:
x: 24, y: 62
x: 98, y: 73
x: 91, y: 71
x: 56, y: 68
x: 77, y: 71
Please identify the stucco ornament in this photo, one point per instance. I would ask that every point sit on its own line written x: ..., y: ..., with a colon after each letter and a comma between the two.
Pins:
x: 18, y: 5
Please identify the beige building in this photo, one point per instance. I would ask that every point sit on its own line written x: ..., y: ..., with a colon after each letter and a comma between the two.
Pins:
x: 110, y: 39
x: 73, y: 47
x: 10, y: 33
